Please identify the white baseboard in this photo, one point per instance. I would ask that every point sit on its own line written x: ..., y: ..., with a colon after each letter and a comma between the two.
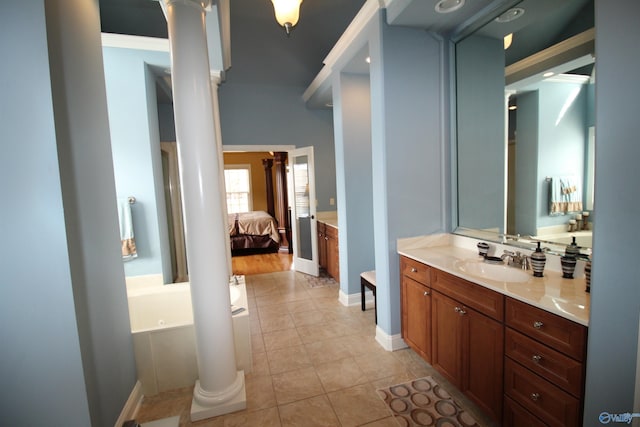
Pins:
x: 131, y: 405
x: 349, y: 300
x: 389, y: 342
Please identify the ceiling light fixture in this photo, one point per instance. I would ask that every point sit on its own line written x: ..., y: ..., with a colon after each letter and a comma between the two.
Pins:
x: 507, y: 40
x: 548, y: 74
x: 287, y: 13
x: 510, y: 15
x: 447, y: 6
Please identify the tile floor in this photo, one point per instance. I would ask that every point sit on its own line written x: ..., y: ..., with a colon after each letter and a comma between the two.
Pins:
x: 315, y: 362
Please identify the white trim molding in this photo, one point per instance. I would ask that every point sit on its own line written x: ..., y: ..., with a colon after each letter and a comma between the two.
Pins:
x: 131, y: 406
x: 389, y: 342
x: 351, y: 300
x: 252, y: 148
x: 350, y: 41
x: 124, y: 41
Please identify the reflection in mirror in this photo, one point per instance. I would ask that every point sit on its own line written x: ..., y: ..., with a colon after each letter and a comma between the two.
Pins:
x: 302, y: 211
x: 527, y: 170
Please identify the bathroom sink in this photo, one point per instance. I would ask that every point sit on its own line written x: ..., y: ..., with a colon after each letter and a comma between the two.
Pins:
x: 495, y: 272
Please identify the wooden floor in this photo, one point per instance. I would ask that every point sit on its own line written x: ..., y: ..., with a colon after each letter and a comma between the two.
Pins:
x: 261, y: 263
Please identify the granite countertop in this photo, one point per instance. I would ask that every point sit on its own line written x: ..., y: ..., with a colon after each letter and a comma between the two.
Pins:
x: 330, y: 222
x: 564, y: 297
x: 329, y: 218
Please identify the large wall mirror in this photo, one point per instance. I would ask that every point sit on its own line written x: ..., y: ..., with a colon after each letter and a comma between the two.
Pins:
x: 525, y: 102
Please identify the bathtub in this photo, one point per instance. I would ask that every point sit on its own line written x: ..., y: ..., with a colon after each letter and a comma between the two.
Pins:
x: 164, y: 337
x: 583, y: 238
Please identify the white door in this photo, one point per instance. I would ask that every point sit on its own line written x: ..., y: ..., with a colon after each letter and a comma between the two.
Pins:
x: 302, y: 196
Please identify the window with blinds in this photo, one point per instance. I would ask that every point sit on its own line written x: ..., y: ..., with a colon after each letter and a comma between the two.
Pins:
x: 237, y: 181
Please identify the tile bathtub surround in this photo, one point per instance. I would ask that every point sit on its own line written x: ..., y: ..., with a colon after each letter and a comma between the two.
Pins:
x: 315, y: 363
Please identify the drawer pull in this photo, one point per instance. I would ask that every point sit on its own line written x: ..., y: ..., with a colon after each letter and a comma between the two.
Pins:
x: 413, y: 270
x: 536, y: 358
x: 460, y: 311
x: 426, y: 293
x: 538, y: 324
x: 535, y: 396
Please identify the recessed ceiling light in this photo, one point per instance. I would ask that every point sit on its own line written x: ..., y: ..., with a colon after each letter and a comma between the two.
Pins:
x: 448, y: 6
x: 548, y: 74
x: 510, y: 15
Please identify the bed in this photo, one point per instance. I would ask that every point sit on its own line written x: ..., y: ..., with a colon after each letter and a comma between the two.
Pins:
x: 252, y: 231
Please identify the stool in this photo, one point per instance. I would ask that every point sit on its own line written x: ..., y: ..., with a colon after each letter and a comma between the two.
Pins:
x: 368, y: 280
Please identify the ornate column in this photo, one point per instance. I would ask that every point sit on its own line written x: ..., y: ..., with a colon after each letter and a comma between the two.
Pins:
x: 282, y: 205
x: 220, y: 388
x: 268, y: 164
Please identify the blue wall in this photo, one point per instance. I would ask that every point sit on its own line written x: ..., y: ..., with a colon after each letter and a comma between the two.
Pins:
x: 352, y: 113
x: 526, y: 168
x: 612, y: 350
x: 135, y: 141
x: 277, y: 115
x: 67, y: 355
x: 481, y: 136
x: 409, y: 104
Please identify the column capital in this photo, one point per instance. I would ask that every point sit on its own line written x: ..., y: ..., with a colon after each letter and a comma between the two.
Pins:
x: 216, y: 77
x: 280, y: 157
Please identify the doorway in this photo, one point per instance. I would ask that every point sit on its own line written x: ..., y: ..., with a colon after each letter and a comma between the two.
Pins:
x: 264, y: 180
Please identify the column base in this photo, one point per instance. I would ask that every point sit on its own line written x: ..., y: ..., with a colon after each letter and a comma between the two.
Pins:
x: 231, y: 404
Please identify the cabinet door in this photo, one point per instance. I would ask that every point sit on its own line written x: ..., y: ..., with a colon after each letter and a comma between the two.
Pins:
x: 322, y: 245
x: 447, y: 326
x: 333, y: 257
x: 416, y: 317
x: 483, y: 361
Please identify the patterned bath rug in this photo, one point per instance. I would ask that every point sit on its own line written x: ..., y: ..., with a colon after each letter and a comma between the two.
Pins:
x: 322, y: 280
x: 423, y: 402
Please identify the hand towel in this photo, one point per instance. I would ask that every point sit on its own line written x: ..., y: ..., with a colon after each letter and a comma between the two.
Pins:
x: 129, y: 251
x: 564, y: 195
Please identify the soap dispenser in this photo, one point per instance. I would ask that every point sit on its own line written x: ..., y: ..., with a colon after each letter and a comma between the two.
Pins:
x: 573, y: 249
x: 538, y: 260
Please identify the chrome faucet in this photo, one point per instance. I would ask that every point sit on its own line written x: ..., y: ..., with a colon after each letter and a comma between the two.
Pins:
x: 516, y: 259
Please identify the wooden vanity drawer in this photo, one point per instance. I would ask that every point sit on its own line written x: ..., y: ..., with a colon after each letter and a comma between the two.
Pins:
x: 552, y: 405
x: 516, y: 415
x: 484, y: 300
x: 415, y: 270
x: 557, y: 332
x: 559, y: 369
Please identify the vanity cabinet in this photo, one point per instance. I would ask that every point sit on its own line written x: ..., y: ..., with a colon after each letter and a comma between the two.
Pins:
x: 415, y: 290
x: 468, y: 339
x: 328, y: 253
x: 521, y: 365
x: 544, y: 367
